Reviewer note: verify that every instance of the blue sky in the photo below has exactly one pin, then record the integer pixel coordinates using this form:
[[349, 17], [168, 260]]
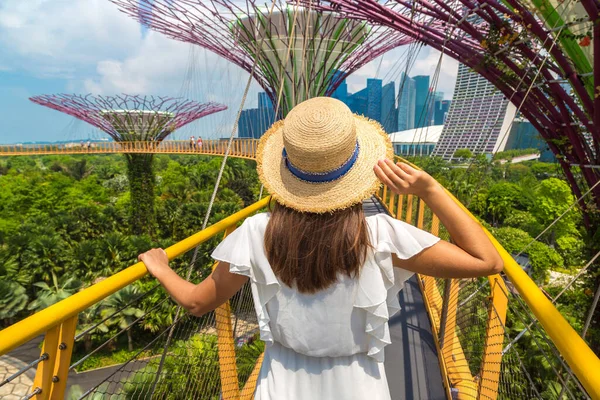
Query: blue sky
[[88, 46]]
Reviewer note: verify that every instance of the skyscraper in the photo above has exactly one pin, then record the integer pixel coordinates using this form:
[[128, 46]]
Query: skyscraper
[[421, 100], [255, 121], [406, 103], [374, 99], [341, 93], [478, 118], [389, 114], [440, 110]]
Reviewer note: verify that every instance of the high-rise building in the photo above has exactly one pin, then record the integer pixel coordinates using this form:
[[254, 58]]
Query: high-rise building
[[255, 121], [440, 111], [478, 118], [341, 93], [374, 87], [423, 104], [389, 114], [358, 102], [406, 103]]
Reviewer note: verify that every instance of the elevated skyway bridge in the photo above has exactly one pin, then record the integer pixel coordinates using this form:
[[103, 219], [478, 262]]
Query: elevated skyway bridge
[[240, 148]]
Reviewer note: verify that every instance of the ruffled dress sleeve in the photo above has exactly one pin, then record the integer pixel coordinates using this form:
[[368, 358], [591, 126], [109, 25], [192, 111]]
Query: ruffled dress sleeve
[[244, 250], [380, 282]]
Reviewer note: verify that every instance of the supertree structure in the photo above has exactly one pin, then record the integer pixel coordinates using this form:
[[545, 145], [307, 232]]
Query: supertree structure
[[538, 56], [128, 118], [303, 52]]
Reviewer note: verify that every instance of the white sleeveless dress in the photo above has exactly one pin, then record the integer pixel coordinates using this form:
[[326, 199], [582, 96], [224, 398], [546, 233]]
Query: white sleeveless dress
[[327, 345]]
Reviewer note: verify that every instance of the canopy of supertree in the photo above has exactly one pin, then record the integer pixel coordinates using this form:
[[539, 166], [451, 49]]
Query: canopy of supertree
[[298, 51], [540, 56], [130, 118]]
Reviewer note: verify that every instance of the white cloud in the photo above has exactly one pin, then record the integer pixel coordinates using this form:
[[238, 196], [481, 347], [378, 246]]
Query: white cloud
[[58, 37]]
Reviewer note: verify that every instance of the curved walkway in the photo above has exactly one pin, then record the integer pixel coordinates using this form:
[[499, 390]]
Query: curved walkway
[[411, 361]]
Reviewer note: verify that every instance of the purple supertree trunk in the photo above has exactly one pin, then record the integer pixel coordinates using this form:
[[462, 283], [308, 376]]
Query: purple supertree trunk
[[298, 51], [518, 53], [130, 118]]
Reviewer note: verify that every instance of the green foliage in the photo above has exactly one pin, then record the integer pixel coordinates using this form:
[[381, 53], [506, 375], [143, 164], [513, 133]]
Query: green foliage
[[509, 154], [553, 197], [69, 216], [51, 294], [517, 172], [502, 198], [190, 364], [543, 170], [463, 153], [523, 220], [572, 250], [542, 257], [110, 357], [13, 299], [246, 357]]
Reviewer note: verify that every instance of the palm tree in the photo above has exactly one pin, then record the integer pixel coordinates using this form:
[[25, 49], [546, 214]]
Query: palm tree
[[126, 317], [48, 295], [114, 249], [13, 299], [88, 318], [46, 256]]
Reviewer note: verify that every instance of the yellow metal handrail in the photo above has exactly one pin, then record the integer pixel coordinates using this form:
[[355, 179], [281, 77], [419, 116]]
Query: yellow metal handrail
[[40, 322]]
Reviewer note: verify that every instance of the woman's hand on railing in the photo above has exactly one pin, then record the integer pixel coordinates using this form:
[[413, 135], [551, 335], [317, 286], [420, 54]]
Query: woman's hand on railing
[[401, 178], [155, 260]]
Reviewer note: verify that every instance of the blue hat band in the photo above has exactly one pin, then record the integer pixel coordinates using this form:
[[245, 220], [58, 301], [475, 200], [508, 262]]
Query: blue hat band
[[320, 177]]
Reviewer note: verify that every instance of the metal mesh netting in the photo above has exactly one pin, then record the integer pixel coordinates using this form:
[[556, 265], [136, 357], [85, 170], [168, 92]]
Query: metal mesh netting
[[490, 343], [475, 317], [208, 357]]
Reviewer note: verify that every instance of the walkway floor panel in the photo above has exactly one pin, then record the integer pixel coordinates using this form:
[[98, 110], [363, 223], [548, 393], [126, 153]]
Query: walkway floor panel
[[411, 361]]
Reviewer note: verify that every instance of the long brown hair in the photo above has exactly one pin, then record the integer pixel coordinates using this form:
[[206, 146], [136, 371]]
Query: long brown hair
[[309, 250]]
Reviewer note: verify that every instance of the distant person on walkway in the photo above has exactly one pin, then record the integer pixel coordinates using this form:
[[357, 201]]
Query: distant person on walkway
[[192, 142], [325, 279], [199, 143], [89, 145]]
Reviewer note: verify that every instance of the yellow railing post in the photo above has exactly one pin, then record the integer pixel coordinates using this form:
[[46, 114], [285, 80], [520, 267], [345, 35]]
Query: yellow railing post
[[435, 225], [45, 369], [391, 203], [421, 215], [456, 363], [230, 386], [409, 208], [400, 205], [63, 360], [250, 385], [494, 341]]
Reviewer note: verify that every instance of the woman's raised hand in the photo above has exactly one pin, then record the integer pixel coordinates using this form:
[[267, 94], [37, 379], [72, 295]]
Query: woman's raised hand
[[401, 178], [155, 260]]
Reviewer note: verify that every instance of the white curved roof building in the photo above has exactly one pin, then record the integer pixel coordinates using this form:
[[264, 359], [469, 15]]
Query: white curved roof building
[[416, 142]]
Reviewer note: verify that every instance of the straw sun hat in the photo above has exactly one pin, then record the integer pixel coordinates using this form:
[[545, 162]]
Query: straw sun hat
[[320, 158]]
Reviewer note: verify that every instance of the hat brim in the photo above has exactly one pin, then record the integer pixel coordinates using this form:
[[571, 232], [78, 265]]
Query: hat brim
[[356, 185]]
